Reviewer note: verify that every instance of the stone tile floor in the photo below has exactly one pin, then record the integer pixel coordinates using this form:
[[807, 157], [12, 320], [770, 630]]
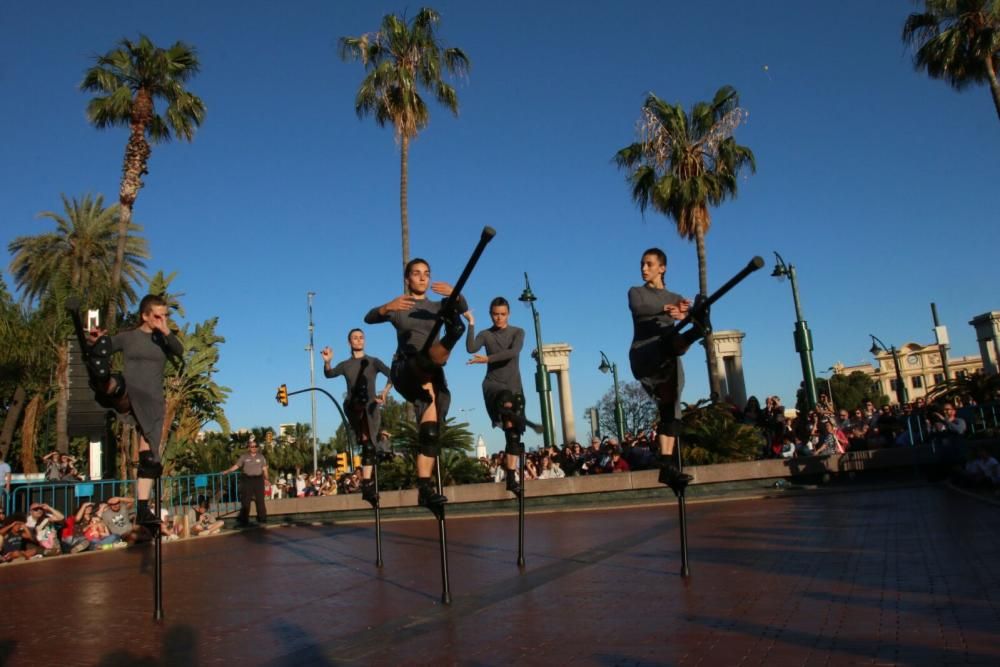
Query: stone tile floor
[[902, 576]]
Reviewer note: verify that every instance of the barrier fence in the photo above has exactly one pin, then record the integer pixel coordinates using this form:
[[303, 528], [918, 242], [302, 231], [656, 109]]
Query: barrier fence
[[222, 492]]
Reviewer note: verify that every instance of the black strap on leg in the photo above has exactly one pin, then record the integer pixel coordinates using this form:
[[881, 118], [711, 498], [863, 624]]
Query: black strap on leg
[[512, 442], [429, 439], [367, 453], [150, 466], [454, 329]]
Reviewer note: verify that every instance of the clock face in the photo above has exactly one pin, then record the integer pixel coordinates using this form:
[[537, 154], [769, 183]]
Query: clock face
[[913, 360]]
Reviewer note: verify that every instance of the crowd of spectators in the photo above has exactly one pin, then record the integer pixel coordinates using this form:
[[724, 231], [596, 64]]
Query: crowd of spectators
[[60, 468], [44, 531]]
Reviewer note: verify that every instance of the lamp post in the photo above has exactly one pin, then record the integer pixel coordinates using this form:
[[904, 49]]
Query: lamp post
[[312, 384], [606, 366], [803, 337], [879, 346], [541, 372], [829, 387]]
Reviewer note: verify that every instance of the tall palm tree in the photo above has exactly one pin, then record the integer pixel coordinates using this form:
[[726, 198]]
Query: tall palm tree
[[80, 254], [684, 163], [958, 41], [129, 80], [400, 59]]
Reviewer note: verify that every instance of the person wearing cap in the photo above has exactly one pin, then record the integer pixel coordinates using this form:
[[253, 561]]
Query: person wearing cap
[[253, 465], [362, 403]]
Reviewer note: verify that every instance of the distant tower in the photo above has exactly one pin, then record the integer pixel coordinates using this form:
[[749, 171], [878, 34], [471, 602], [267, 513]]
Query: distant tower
[[480, 448], [987, 328]]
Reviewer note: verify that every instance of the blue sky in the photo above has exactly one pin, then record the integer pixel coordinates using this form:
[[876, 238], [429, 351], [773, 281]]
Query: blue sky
[[878, 183]]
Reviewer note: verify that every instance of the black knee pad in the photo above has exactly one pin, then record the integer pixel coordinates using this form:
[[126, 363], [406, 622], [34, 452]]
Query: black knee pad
[[149, 465], [109, 399], [510, 408], [368, 454], [513, 444], [429, 445], [454, 328]]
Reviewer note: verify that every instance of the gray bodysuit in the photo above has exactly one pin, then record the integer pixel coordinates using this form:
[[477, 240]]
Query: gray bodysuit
[[503, 371], [651, 364], [367, 368], [145, 356], [413, 326]]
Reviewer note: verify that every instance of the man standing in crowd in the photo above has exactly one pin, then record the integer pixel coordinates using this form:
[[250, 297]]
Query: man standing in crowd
[[253, 465], [5, 476]]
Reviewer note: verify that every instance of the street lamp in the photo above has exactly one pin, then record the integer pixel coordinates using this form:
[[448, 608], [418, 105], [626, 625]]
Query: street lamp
[[829, 387], [879, 346], [606, 366], [803, 338], [541, 372]]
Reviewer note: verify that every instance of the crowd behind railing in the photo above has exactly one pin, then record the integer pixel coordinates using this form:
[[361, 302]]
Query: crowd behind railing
[[66, 514]]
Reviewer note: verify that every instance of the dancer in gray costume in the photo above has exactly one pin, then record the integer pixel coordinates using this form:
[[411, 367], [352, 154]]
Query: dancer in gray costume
[[502, 389], [362, 403]]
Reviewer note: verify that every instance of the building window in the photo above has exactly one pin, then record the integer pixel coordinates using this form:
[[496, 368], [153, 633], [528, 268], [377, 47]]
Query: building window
[[938, 378], [918, 382]]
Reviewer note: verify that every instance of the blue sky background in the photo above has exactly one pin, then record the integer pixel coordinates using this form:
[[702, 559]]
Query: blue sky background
[[878, 183]]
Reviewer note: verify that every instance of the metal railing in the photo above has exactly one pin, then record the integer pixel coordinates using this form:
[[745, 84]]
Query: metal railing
[[222, 492]]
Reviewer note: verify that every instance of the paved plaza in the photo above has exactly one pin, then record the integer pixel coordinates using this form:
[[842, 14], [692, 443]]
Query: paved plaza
[[906, 575]]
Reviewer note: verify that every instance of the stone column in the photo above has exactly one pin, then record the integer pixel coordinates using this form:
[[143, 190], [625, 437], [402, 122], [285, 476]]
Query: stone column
[[556, 358], [987, 328], [729, 353]]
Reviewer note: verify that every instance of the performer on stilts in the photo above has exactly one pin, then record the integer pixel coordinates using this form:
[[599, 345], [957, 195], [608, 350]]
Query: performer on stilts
[[145, 350], [656, 351], [420, 380], [362, 404], [502, 389]]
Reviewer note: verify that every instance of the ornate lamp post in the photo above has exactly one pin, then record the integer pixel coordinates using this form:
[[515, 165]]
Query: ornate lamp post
[[606, 366], [803, 337], [879, 346], [541, 372]]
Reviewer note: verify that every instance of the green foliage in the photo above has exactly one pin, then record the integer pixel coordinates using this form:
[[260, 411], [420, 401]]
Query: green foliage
[[849, 391], [712, 435], [638, 409], [120, 75], [454, 436], [400, 59], [77, 258], [978, 386], [956, 40], [216, 452]]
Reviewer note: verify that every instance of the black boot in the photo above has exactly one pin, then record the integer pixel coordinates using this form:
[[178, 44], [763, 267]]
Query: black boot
[[427, 496], [368, 492], [144, 517], [513, 485], [671, 475]]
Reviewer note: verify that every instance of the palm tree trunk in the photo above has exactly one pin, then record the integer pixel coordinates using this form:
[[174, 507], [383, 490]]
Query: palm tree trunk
[[29, 434], [137, 152], [10, 420], [404, 184], [991, 73], [714, 385], [62, 398]]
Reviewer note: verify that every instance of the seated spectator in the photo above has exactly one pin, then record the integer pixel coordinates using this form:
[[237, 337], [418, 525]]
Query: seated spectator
[[41, 521], [571, 458], [615, 462], [73, 539], [53, 467], [946, 421], [829, 444], [550, 469], [115, 516], [203, 522], [99, 535], [982, 470], [17, 542]]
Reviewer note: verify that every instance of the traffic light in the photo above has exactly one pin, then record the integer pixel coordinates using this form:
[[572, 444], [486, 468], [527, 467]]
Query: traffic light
[[282, 395], [342, 462]]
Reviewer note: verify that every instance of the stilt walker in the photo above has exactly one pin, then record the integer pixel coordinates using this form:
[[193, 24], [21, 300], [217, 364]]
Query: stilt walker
[[417, 370], [137, 395], [503, 393], [659, 319]]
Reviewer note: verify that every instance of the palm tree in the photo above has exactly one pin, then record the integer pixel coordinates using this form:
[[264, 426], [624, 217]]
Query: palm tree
[[958, 41], [129, 80], [685, 162], [400, 59]]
